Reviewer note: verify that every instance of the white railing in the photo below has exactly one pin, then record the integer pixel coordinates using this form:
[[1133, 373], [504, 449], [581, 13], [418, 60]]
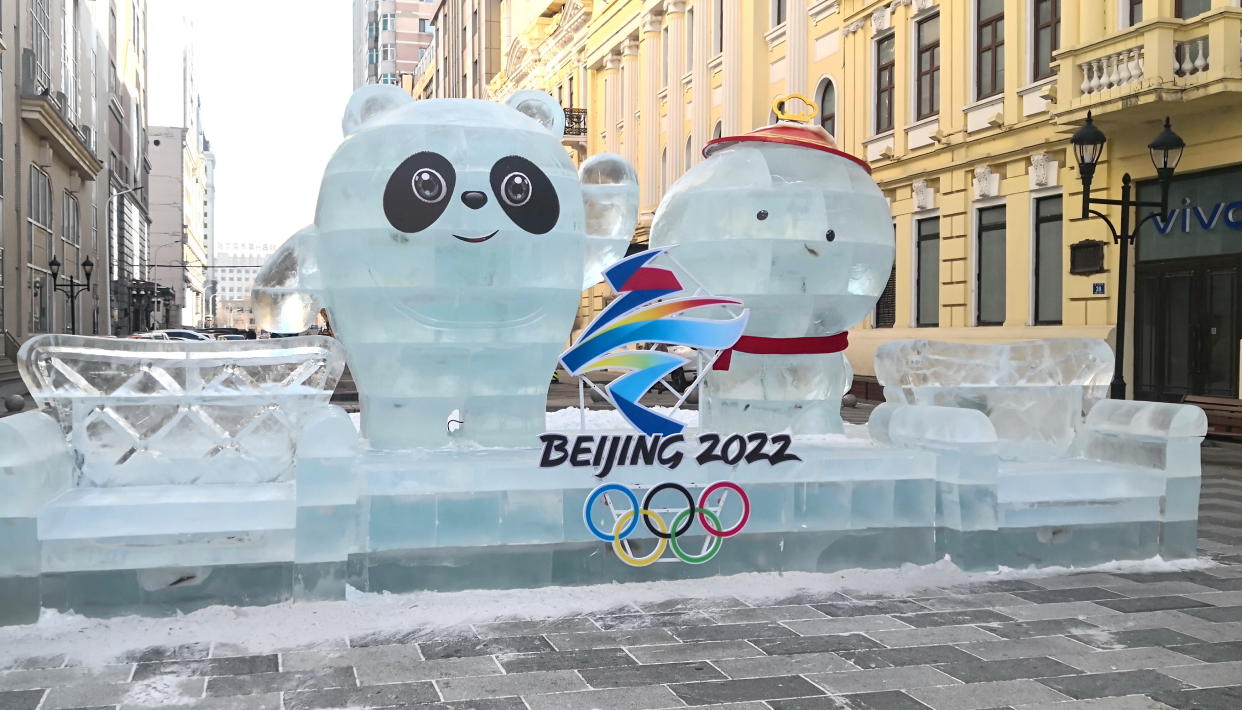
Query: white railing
[[428, 56], [1190, 57], [1117, 69]]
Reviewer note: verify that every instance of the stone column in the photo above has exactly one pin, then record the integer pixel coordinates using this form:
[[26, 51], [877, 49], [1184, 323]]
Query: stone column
[[733, 111], [796, 50], [612, 100], [629, 100], [649, 152], [701, 105], [674, 20]]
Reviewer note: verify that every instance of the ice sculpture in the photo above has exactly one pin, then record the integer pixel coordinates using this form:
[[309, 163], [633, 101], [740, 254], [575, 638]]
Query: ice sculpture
[[799, 231], [1035, 393], [451, 241]]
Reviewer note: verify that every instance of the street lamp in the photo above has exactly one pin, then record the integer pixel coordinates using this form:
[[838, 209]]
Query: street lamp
[[71, 287], [1166, 151]]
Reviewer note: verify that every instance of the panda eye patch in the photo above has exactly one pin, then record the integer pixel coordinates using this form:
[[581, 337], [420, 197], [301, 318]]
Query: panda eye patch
[[525, 194], [418, 191]]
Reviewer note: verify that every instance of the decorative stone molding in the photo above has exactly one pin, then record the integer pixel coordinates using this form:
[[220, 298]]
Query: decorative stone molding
[[613, 61], [854, 26], [881, 19], [674, 6], [653, 22], [921, 5], [924, 195], [819, 9], [630, 48], [1044, 171], [987, 182]]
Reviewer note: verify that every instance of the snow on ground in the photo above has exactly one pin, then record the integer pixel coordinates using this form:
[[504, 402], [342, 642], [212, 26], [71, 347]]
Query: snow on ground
[[442, 614]]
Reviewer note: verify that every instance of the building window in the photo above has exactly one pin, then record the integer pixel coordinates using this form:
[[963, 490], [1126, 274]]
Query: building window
[[571, 91], [664, 58], [929, 67], [372, 30], [41, 22], [718, 27], [991, 267], [690, 37], [663, 170], [717, 131], [390, 78], [40, 300], [827, 101], [1187, 9], [990, 48], [424, 24], [388, 22], [1048, 261], [1136, 11], [689, 155], [1047, 36], [388, 52], [884, 83], [70, 226], [886, 305], [372, 56], [40, 211], [778, 12], [928, 311]]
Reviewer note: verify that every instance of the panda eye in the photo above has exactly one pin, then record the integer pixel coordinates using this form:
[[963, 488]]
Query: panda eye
[[417, 191], [429, 185], [526, 194], [515, 189]]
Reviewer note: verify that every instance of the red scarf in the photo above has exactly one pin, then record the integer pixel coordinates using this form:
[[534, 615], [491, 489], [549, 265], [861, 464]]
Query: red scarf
[[755, 345]]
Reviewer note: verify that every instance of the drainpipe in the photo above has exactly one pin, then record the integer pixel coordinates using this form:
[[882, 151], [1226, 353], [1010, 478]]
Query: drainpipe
[[17, 156]]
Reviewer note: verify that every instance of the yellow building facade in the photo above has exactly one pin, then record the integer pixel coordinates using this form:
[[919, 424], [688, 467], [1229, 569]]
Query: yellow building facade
[[964, 109]]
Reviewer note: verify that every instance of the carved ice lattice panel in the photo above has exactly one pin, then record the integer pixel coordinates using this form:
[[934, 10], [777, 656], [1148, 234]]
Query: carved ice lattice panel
[[143, 412]]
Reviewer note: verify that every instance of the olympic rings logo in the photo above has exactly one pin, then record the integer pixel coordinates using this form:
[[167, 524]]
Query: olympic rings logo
[[626, 521]]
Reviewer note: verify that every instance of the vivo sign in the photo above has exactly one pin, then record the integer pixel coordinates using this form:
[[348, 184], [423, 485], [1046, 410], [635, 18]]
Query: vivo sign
[[1228, 212]]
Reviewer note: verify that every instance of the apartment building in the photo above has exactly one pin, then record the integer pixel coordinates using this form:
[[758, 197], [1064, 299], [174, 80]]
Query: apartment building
[[391, 37], [964, 109], [468, 46], [53, 191], [178, 150], [236, 264]]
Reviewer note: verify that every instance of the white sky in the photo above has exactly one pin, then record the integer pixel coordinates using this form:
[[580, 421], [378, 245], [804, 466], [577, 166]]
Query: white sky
[[273, 77]]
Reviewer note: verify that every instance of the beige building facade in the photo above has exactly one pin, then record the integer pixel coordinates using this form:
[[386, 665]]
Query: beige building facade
[[391, 37]]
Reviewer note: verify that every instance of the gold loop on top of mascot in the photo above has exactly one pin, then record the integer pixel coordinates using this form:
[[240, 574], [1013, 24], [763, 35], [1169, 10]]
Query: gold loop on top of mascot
[[780, 108]]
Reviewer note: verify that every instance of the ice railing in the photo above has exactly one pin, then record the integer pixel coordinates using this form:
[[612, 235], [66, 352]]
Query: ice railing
[[146, 412], [1035, 394]]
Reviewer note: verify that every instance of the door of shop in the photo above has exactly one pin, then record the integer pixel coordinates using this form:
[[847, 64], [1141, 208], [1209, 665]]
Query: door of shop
[[1187, 325]]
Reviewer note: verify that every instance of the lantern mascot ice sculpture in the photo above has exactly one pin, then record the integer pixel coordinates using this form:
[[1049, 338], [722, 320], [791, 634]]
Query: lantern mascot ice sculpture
[[798, 231], [450, 245]]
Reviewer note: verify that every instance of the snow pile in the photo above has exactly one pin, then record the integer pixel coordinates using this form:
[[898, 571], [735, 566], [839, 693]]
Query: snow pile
[[442, 615]]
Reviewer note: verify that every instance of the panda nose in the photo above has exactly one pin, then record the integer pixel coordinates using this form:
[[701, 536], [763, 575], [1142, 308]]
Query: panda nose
[[474, 199]]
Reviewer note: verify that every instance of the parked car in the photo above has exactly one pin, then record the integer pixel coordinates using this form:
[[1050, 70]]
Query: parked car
[[148, 336], [230, 336], [183, 334]]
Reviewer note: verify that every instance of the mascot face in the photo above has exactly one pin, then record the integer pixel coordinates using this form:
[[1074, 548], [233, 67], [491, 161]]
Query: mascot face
[[804, 237], [450, 244]]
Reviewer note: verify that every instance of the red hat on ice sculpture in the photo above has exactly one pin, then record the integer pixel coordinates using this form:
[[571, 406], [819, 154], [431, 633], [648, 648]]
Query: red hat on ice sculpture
[[790, 129]]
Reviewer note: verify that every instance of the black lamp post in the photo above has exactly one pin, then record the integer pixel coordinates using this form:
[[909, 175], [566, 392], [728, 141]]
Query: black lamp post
[[1166, 150], [71, 287]]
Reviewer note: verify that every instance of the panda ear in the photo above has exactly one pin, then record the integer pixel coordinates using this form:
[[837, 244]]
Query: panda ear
[[541, 107], [371, 102]]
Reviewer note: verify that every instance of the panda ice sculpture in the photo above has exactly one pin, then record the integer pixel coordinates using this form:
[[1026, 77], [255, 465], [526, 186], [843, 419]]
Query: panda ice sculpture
[[451, 242], [796, 229]]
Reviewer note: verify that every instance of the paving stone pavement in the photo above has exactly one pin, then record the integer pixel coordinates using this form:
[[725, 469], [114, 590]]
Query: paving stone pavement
[[1087, 641]]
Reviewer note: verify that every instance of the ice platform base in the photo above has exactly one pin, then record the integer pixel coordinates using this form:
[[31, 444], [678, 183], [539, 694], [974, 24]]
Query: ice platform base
[[466, 519]]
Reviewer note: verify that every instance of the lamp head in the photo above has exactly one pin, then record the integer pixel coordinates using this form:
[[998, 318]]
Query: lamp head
[[1088, 143], [54, 267], [87, 267], [1166, 150]]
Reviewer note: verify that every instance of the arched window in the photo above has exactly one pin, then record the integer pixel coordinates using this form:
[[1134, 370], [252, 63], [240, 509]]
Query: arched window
[[716, 132], [827, 100], [689, 155]]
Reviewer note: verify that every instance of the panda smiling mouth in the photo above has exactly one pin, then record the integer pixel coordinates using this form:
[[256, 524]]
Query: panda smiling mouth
[[477, 240]]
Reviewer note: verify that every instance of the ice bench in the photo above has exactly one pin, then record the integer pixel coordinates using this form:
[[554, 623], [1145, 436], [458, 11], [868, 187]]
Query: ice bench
[[183, 460], [1036, 467]]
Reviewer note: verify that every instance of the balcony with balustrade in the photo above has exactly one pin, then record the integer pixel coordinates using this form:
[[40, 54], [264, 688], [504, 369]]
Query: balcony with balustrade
[[1143, 68]]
